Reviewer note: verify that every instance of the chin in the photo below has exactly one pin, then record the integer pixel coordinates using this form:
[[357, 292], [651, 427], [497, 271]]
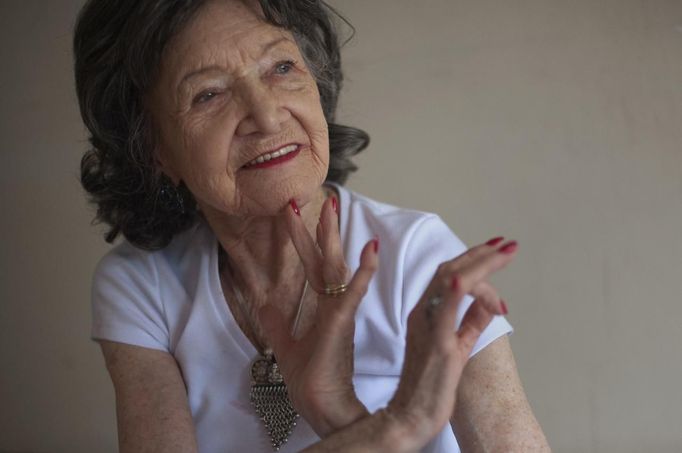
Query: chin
[[271, 199], [303, 193]]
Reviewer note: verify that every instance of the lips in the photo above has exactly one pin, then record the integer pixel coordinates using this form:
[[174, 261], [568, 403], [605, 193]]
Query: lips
[[271, 158]]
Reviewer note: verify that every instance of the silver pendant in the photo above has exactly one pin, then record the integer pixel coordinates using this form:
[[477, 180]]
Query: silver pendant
[[270, 399]]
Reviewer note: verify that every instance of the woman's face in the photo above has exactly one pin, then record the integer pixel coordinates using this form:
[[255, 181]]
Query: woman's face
[[238, 114]]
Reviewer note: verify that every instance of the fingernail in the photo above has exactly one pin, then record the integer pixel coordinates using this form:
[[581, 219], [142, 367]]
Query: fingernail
[[508, 248], [493, 242], [504, 307], [376, 244], [294, 206], [335, 205], [454, 284]]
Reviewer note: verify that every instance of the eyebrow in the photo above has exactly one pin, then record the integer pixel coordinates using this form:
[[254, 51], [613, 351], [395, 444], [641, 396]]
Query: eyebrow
[[264, 49]]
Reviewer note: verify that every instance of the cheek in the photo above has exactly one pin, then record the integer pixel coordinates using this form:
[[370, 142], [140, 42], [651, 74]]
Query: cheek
[[205, 144], [310, 114]]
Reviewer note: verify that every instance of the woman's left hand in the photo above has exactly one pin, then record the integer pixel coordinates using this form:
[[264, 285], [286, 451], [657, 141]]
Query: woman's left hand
[[318, 365]]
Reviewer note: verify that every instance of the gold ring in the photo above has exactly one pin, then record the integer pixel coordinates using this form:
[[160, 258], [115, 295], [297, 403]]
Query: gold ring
[[335, 290]]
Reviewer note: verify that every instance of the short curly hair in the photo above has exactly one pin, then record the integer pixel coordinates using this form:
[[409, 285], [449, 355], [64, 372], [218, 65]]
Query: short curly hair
[[117, 51]]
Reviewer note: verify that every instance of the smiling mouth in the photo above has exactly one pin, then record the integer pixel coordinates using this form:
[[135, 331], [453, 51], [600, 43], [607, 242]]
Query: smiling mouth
[[283, 154]]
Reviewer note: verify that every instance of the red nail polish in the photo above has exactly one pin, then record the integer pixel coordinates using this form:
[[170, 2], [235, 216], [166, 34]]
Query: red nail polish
[[493, 242], [454, 284], [508, 248], [376, 244], [504, 307], [335, 205], [294, 206]]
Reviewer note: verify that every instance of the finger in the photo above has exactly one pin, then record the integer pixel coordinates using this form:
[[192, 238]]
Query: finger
[[473, 253], [442, 305], [487, 294], [327, 219], [474, 323], [334, 268], [274, 329], [469, 260], [305, 246], [452, 295], [318, 231], [340, 315], [480, 269], [357, 288]]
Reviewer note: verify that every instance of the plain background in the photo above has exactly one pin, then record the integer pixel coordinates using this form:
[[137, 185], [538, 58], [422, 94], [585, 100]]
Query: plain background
[[554, 122]]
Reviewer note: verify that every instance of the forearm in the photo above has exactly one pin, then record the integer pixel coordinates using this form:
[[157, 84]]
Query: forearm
[[379, 432], [515, 429]]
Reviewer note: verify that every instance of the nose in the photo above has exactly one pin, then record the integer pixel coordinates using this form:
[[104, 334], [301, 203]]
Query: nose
[[264, 112]]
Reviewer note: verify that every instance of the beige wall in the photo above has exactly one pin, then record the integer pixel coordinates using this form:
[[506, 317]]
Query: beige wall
[[554, 122]]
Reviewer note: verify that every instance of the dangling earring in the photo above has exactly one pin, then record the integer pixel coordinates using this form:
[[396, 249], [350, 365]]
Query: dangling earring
[[170, 195]]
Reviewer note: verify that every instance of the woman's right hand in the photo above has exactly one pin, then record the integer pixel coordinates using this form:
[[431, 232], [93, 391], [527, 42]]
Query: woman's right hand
[[435, 353], [317, 364]]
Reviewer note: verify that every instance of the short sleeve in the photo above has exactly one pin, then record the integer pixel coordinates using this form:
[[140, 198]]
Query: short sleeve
[[432, 243], [126, 306]]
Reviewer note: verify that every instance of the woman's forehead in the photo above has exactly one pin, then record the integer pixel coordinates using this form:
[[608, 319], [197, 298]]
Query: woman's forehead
[[221, 30]]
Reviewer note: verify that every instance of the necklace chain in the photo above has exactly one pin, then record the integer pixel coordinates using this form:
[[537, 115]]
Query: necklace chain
[[269, 395], [264, 349]]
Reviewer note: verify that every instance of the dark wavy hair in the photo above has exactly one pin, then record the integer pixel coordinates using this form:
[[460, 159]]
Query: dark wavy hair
[[117, 50]]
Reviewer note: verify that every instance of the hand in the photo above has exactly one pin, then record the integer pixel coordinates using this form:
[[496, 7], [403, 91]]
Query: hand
[[318, 366], [435, 355]]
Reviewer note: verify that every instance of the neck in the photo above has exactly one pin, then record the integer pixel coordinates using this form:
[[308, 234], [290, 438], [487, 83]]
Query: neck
[[260, 253]]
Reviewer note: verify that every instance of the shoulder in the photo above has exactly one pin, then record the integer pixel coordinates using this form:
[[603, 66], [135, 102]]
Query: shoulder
[[127, 278], [139, 295], [412, 245], [412, 232], [125, 261]]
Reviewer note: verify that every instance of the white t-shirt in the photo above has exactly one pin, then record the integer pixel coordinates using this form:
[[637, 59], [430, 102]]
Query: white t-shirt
[[172, 300]]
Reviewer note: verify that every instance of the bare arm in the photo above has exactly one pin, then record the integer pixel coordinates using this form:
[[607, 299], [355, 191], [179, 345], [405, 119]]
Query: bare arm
[[153, 413], [492, 412], [151, 400], [379, 432]]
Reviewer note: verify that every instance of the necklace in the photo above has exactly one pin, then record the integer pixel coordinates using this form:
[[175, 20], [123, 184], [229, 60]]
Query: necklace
[[268, 393]]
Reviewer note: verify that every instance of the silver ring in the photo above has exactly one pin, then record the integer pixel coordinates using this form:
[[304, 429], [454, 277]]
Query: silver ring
[[432, 305]]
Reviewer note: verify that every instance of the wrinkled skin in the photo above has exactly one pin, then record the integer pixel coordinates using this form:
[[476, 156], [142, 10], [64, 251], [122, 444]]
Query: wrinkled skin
[[232, 87]]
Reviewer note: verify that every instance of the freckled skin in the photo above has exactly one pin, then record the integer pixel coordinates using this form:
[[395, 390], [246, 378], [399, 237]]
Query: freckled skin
[[209, 124], [205, 144]]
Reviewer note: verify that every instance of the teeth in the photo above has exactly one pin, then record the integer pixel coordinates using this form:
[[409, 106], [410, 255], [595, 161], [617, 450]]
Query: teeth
[[266, 157]]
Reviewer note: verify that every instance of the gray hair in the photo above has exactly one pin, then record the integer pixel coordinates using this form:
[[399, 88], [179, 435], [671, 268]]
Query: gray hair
[[117, 50]]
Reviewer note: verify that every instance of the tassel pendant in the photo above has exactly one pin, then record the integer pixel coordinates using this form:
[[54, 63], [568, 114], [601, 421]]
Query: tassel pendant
[[270, 399]]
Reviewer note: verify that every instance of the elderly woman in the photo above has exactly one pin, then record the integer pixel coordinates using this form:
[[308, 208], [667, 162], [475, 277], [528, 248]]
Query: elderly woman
[[256, 302]]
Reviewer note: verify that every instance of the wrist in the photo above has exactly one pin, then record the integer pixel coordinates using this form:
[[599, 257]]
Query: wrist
[[394, 434], [350, 413]]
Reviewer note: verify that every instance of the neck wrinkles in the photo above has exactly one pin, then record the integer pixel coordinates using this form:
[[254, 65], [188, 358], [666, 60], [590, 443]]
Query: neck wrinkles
[[261, 254]]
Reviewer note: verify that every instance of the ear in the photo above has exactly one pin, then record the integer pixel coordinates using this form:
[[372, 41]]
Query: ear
[[163, 163], [161, 157]]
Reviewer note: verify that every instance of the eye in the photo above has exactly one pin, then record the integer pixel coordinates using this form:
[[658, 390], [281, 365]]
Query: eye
[[205, 96], [284, 67]]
